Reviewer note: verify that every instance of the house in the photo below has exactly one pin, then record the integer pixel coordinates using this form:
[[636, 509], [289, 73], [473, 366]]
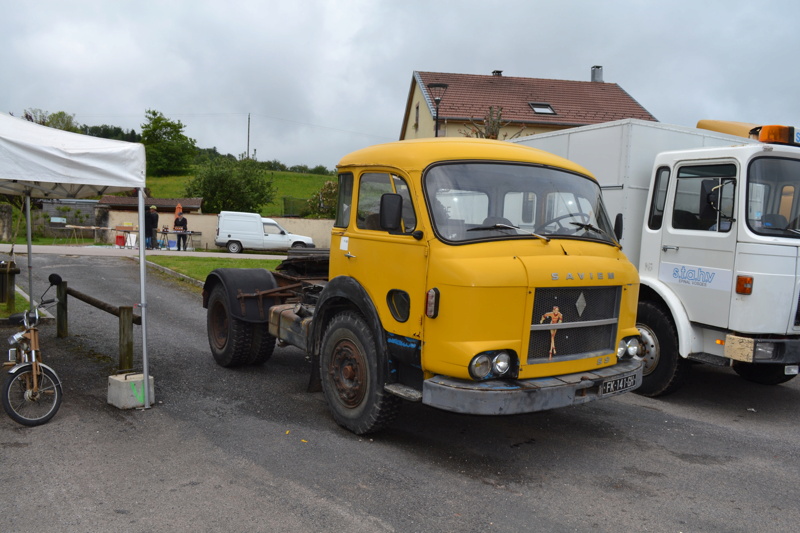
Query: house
[[525, 105]]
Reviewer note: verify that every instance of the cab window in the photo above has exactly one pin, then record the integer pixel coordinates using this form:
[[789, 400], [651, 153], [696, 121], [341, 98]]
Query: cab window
[[370, 189]]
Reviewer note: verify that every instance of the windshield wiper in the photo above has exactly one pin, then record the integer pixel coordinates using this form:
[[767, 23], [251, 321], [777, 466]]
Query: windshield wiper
[[507, 226], [591, 227]]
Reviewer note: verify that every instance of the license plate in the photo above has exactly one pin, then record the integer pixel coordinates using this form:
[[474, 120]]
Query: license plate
[[615, 386]]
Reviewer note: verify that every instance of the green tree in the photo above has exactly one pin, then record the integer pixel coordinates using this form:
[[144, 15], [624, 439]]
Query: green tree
[[227, 185], [62, 120], [323, 203], [169, 151]]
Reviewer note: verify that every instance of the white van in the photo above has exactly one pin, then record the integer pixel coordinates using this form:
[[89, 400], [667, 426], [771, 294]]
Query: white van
[[250, 231]]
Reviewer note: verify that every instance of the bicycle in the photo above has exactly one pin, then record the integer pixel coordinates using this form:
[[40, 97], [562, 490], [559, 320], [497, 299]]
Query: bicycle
[[32, 392]]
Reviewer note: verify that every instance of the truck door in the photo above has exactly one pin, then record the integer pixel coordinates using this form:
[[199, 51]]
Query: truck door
[[391, 266], [699, 240]]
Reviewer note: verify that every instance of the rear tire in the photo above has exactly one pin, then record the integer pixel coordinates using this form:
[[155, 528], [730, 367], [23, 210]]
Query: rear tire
[[228, 337], [234, 247], [353, 376], [665, 371], [762, 373], [263, 345], [23, 406]]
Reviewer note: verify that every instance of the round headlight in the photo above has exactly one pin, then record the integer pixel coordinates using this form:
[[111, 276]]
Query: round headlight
[[633, 347], [480, 367], [622, 348], [501, 363]]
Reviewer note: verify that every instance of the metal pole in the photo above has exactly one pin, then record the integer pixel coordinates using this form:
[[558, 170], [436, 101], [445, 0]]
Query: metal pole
[[248, 136], [143, 299], [30, 249], [436, 133]]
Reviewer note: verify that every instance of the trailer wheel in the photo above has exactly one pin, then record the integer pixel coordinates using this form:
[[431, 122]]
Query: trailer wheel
[[665, 371], [353, 377], [762, 373], [234, 247], [263, 345], [228, 337]]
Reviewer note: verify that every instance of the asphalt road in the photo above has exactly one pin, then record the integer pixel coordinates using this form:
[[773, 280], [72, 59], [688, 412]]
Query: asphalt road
[[250, 450]]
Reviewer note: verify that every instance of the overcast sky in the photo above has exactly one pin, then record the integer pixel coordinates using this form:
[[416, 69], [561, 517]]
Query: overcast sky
[[323, 78]]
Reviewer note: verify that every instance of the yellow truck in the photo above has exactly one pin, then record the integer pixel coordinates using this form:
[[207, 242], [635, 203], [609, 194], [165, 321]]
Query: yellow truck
[[474, 276]]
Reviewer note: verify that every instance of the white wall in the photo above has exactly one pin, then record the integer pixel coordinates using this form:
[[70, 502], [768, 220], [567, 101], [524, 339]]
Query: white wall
[[319, 230]]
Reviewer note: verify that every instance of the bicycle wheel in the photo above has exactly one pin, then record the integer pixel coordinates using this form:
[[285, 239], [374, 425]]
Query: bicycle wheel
[[25, 407]]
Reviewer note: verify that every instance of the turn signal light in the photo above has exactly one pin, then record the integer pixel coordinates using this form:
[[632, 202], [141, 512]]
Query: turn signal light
[[744, 284], [432, 303], [777, 134]]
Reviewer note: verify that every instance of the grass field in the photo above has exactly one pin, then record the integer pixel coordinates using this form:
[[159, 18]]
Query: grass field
[[289, 184], [199, 267]]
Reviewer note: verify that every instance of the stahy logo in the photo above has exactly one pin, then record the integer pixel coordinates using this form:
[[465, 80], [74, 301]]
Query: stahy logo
[[693, 276]]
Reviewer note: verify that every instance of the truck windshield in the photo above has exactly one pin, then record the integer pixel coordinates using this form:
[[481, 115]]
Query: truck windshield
[[478, 201], [773, 197]]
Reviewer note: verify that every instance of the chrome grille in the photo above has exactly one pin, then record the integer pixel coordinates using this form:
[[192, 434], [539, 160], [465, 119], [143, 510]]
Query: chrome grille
[[587, 327]]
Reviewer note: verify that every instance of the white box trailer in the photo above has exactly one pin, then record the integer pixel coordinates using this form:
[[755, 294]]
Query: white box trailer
[[713, 223]]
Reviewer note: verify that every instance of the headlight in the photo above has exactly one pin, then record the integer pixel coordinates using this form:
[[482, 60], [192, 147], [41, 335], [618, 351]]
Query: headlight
[[480, 367], [493, 364], [628, 348], [16, 337]]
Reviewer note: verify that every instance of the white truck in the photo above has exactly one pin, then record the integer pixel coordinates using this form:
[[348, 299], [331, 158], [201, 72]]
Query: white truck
[[713, 222], [239, 231]]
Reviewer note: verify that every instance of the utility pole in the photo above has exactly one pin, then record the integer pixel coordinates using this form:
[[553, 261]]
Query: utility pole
[[248, 136]]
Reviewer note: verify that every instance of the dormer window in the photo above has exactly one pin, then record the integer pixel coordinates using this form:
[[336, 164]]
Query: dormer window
[[541, 108]]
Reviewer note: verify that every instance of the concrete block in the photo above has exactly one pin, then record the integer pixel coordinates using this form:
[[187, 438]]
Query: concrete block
[[125, 391]]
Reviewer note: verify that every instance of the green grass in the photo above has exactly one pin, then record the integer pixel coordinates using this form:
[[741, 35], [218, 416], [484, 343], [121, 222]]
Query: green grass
[[289, 184], [199, 267], [20, 306]]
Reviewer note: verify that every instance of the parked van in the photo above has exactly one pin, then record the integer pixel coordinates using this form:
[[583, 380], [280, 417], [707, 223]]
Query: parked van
[[250, 231]]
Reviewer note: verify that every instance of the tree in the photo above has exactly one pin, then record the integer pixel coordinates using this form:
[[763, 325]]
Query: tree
[[491, 126], [63, 121], [227, 185], [169, 151], [323, 203]]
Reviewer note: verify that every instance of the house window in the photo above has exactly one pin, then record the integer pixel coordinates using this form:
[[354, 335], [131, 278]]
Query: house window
[[542, 109], [416, 117]]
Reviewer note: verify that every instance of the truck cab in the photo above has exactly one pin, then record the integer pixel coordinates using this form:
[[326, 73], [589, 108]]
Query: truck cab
[[474, 276]]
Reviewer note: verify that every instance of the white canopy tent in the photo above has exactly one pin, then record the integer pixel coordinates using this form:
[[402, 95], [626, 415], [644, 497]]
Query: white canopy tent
[[41, 162]]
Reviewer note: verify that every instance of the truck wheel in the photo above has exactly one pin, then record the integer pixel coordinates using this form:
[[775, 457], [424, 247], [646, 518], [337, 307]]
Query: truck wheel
[[353, 377], [228, 337], [665, 371], [263, 345], [762, 373], [234, 247]]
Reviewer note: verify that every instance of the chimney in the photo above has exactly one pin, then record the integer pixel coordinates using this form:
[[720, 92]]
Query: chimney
[[597, 73], [497, 73]]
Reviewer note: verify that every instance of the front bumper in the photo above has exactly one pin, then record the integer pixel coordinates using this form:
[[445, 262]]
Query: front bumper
[[775, 351], [499, 397]]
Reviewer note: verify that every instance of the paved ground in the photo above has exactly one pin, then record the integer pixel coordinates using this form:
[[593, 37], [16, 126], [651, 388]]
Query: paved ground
[[250, 450]]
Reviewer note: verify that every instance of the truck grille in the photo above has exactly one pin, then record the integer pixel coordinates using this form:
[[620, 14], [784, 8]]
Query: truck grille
[[587, 325]]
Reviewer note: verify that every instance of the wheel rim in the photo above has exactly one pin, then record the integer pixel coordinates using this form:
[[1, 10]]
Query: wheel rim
[[651, 349], [218, 325], [348, 372], [27, 404]]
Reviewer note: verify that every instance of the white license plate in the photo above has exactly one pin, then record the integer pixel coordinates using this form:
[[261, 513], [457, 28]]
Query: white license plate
[[615, 386]]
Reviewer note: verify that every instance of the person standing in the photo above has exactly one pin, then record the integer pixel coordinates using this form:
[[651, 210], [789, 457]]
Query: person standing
[[180, 225], [150, 228]]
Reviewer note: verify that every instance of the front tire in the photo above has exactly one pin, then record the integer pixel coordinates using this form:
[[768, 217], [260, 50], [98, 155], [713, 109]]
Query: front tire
[[353, 376], [27, 408], [665, 371], [228, 337], [298, 244], [234, 247], [762, 373]]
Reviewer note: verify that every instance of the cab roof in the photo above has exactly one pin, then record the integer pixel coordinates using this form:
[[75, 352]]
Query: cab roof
[[417, 154]]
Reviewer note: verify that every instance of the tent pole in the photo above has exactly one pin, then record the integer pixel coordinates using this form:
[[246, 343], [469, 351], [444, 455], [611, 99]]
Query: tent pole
[[30, 249], [143, 304]]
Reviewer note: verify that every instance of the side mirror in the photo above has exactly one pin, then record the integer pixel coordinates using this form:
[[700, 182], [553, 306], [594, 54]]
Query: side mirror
[[54, 279], [618, 226], [391, 211]]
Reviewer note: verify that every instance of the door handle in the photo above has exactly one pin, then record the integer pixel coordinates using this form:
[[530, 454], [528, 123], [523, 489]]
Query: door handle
[[665, 248], [349, 255]]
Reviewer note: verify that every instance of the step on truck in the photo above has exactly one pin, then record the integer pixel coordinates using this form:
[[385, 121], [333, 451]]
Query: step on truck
[[712, 220], [474, 276]]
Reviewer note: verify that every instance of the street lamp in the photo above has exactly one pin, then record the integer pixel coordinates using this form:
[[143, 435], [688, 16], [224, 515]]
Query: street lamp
[[437, 91]]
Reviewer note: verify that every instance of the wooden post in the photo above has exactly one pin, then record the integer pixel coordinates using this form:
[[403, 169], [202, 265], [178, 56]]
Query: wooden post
[[62, 324], [125, 338]]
